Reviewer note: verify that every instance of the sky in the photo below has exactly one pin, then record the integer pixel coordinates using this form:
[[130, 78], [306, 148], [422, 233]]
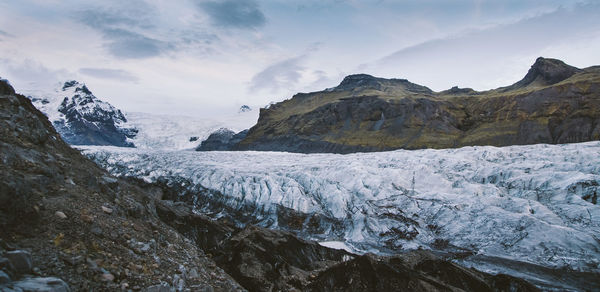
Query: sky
[[208, 57]]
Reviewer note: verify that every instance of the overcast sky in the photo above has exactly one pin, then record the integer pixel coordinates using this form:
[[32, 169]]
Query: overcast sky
[[208, 57]]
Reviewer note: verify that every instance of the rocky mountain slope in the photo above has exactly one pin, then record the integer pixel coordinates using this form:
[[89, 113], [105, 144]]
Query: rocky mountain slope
[[554, 103], [80, 224], [83, 119]]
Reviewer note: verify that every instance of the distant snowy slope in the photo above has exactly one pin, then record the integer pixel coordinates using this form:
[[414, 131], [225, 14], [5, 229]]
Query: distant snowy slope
[[526, 203], [183, 132]]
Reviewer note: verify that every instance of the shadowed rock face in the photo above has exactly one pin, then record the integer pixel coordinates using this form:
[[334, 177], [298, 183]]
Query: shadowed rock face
[[554, 103], [222, 139]]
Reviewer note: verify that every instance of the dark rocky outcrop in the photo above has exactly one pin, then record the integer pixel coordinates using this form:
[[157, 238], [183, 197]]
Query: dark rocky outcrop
[[222, 140], [545, 72], [554, 103], [5, 87]]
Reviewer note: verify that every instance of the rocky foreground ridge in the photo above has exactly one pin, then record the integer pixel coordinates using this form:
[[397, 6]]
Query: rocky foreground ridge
[[554, 103], [68, 225]]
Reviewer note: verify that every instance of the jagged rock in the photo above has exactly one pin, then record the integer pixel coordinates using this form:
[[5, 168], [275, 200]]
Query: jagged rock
[[20, 261], [364, 81], [48, 284], [545, 72], [6, 88]]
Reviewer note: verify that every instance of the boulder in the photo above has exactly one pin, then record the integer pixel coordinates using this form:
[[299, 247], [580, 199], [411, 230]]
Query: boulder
[[20, 260]]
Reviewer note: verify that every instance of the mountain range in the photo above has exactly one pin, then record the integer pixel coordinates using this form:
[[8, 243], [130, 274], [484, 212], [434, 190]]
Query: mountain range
[[81, 118], [554, 103], [69, 225]]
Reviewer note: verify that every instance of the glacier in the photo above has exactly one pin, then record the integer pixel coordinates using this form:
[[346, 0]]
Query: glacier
[[534, 204], [173, 132]]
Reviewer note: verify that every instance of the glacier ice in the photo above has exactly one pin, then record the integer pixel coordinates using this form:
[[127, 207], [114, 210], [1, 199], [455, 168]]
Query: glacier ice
[[174, 132], [535, 203]]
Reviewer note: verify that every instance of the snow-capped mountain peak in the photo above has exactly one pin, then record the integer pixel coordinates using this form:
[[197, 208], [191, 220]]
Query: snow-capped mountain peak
[[80, 101], [244, 109], [83, 119]]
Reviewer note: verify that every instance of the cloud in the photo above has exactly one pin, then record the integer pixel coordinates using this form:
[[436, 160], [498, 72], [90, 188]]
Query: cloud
[[132, 45], [112, 74], [244, 14], [104, 19], [5, 34], [281, 75], [445, 62], [125, 31], [29, 75]]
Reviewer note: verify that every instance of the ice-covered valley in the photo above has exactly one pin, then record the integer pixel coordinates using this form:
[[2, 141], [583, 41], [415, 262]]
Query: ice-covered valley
[[531, 204], [182, 132]]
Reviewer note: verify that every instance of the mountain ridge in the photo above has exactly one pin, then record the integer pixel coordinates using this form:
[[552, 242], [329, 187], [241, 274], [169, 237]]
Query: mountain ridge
[[554, 103]]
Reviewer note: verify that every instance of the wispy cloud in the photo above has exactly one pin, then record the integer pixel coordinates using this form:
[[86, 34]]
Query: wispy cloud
[[4, 34], [281, 75], [244, 14], [133, 45], [30, 74], [112, 74], [126, 31], [441, 61]]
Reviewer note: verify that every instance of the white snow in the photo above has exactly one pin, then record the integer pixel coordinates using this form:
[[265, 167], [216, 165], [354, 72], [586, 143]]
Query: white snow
[[520, 202], [48, 101], [170, 132], [337, 245]]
